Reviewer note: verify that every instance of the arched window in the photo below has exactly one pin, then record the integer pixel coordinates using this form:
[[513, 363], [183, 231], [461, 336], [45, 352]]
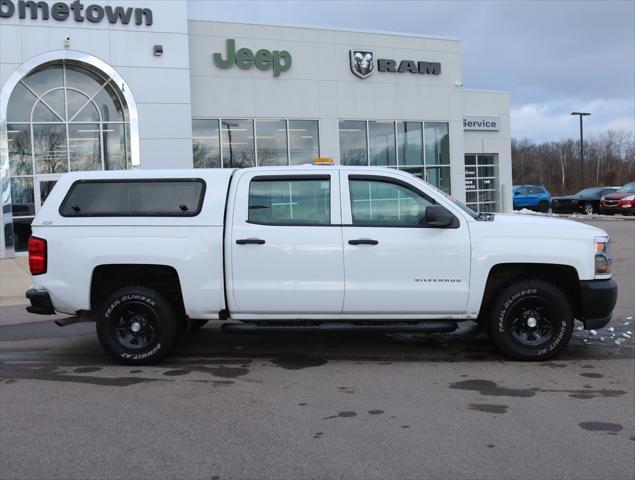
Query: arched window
[[63, 116]]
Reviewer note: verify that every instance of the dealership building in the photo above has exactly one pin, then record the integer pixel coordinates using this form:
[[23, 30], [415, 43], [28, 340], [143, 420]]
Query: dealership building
[[108, 85]]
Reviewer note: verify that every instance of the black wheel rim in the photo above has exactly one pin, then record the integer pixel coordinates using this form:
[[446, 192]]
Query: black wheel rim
[[531, 321], [135, 325]]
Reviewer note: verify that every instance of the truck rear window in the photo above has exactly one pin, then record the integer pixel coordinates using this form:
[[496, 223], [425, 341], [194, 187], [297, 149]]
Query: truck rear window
[[181, 197]]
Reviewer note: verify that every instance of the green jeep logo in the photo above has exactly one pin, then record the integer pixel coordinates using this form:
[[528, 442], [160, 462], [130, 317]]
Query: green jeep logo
[[263, 59]]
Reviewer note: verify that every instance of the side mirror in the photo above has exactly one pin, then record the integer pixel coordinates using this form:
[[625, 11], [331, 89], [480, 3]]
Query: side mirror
[[437, 216], [516, 193]]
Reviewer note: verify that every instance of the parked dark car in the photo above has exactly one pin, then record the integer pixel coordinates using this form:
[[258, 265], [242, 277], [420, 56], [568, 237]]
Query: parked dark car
[[585, 201], [622, 201]]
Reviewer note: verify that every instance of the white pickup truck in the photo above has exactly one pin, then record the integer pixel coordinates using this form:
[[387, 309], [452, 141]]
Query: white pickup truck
[[148, 254]]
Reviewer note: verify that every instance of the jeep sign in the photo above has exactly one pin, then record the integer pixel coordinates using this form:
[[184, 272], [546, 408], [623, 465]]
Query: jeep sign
[[277, 61]]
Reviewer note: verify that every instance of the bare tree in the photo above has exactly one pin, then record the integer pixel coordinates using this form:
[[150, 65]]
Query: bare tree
[[556, 165]]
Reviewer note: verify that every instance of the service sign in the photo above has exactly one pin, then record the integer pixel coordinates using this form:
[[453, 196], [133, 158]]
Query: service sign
[[481, 122]]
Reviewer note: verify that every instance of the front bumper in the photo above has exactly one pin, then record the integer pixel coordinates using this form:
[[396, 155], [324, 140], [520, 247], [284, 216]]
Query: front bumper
[[597, 301], [40, 302], [620, 208]]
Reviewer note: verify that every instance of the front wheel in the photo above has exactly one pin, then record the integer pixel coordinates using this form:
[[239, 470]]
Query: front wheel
[[137, 326], [531, 320]]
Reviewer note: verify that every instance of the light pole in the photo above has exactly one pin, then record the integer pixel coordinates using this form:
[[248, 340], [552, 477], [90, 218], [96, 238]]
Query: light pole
[[581, 114]]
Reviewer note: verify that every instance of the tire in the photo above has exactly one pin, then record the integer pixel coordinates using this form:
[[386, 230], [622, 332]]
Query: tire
[[137, 326], [197, 324], [523, 303], [543, 206], [587, 208]]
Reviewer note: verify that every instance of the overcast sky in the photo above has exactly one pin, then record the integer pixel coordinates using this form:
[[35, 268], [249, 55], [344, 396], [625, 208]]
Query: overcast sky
[[553, 57]]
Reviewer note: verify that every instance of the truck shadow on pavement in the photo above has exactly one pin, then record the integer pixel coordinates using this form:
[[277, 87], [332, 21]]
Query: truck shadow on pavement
[[44, 351]]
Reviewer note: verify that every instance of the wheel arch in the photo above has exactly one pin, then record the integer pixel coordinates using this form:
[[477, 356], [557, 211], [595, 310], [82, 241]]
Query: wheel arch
[[500, 275], [108, 278]]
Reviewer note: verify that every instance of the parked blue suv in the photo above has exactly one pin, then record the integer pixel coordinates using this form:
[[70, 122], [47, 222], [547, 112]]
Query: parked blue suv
[[533, 197]]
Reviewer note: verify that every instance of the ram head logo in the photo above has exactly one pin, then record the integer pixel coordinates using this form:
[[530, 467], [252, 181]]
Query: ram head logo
[[362, 63]]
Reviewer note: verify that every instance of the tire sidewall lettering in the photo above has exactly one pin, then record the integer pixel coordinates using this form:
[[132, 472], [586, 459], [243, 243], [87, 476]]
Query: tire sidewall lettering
[[503, 312]]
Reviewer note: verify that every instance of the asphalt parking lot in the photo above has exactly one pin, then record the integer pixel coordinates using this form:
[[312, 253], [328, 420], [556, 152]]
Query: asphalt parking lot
[[322, 406]]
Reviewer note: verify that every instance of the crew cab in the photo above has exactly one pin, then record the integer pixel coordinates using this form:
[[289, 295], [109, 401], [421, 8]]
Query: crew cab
[[147, 254]]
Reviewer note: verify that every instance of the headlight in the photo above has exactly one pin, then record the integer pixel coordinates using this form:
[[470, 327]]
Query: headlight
[[602, 257], [602, 199], [630, 197]]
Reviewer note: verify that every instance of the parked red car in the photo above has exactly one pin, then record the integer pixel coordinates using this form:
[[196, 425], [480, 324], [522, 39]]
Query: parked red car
[[622, 201]]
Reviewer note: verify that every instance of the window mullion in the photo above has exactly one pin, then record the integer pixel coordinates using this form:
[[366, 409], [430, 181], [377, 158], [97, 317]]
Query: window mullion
[[367, 145], [253, 129], [220, 142], [288, 143], [68, 142]]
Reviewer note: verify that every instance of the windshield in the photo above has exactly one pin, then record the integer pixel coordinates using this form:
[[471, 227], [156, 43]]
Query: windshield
[[456, 202], [589, 192], [628, 188]]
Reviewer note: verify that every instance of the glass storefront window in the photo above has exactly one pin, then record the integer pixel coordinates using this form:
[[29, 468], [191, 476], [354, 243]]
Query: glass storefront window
[[410, 143], [49, 148], [84, 147], [87, 113], [109, 106], [353, 145], [83, 80], [19, 143], [416, 171], [437, 143], [19, 108], [304, 141], [205, 144], [45, 188], [22, 197], [116, 146], [439, 177], [45, 78], [238, 143], [276, 142], [42, 113], [420, 148], [271, 142], [381, 139], [481, 182], [61, 117]]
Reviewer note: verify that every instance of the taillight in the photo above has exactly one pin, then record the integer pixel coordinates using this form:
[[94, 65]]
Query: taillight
[[37, 255]]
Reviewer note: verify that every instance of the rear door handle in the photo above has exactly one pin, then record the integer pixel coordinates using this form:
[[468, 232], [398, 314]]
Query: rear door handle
[[250, 241], [363, 241]]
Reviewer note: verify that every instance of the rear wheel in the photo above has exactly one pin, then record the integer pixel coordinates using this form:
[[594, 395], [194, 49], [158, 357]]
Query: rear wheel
[[587, 208], [137, 326], [543, 207], [531, 320]]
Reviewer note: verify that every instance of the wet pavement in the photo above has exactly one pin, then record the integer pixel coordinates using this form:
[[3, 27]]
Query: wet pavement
[[321, 405]]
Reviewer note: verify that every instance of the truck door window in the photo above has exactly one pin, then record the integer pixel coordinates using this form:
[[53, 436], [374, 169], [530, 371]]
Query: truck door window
[[285, 201], [383, 203]]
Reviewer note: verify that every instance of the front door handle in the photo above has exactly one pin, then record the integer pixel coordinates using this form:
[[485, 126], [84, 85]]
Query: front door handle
[[363, 241], [250, 241]]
